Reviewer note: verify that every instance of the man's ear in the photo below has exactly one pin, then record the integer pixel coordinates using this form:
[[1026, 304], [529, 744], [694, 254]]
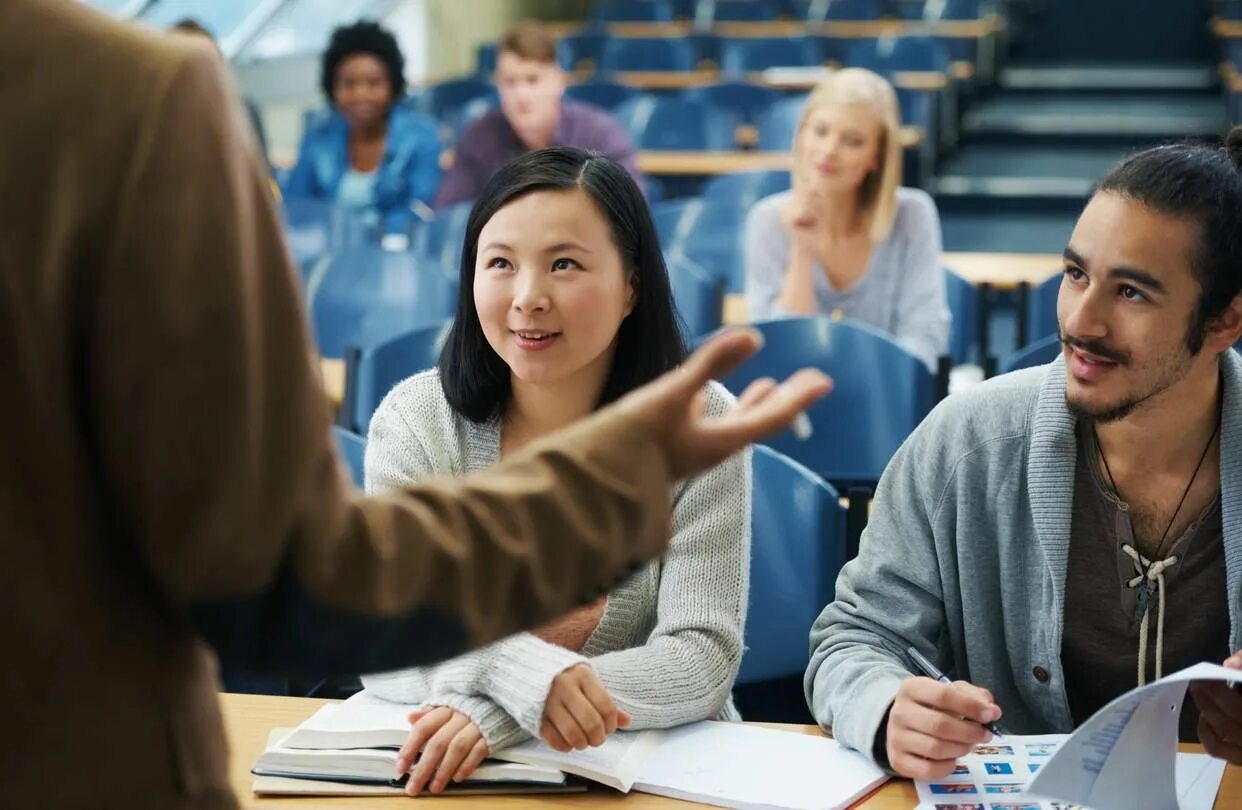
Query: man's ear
[[1226, 328]]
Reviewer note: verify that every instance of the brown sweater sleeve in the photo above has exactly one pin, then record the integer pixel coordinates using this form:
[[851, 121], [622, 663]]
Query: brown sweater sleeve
[[213, 447]]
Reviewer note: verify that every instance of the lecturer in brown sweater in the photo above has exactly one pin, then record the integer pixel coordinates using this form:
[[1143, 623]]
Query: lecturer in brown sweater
[[166, 472]]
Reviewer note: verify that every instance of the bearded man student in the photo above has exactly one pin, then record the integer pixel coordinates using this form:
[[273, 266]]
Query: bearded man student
[[1060, 535]]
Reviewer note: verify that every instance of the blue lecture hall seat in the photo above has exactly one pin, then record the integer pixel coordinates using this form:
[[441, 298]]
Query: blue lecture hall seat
[[608, 95], [880, 394], [797, 548], [352, 448], [1042, 351], [371, 372], [583, 49], [742, 56], [714, 11], [964, 305], [647, 54], [836, 10], [1041, 309], [888, 55], [441, 238], [655, 11], [444, 100], [743, 102], [485, 60], [698, 294], [656, 123], [746, 188], [779, 123], [708, 231], [364, 295]]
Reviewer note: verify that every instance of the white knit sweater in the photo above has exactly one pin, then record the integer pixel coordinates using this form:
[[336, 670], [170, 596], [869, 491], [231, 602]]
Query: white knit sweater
[[669, 644]]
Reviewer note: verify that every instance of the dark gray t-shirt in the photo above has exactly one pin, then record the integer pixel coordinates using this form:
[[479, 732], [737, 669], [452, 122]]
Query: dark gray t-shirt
[[1099, 648]]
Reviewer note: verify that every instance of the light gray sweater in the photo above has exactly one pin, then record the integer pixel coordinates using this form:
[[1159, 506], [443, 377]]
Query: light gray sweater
[[965, 558], [902, 293], [669, 644]]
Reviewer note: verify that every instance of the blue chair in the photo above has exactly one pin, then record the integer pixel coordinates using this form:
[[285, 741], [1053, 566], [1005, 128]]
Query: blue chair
[[445, 100], [964, 306], [953, 10], [745, 103], [1041, 309], [880, 394], [888, 55], [607, 95], [916, 108], [485, 59], [779, 123], [1039, 353], [654, 11], [837, 10], [364, 295], [441, 238], [699, 296], [584, 49], [646, 54], [675, 124], [710, 12], [706, 48], [352, 448], [797, 550], [746, 188], [370, 373], [310, 224], [672, 220], [742, 56]]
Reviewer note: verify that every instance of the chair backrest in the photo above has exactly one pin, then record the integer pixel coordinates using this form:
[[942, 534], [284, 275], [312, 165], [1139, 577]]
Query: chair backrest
[[445, 100], [880, 393], [797, 549], [608, 95], [698, 295], [935, 10], [352, 448], [907, 53], [1042, 351], [364, 295], [714, 11], [778, 125], [746, 188], [309, 225], [441, 238], [675, 124], [370, 373], [1041, 309], [672, 220], [964, 307], [742, 56], [485, 59], [657, 11], [825, 10], [647, 54], [916, 107], [745, 102], [583, 49]]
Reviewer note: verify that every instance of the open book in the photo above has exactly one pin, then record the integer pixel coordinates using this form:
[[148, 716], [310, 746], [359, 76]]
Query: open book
[[725, 764]]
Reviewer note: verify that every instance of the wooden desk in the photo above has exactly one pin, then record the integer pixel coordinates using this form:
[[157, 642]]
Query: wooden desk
[[249, 718], [710, 163], [806, 78], [1227, 29], [1004, 271], [332, 374]]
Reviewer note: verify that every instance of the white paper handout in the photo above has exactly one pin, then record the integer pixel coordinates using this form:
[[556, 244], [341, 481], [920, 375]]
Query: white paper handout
[[1124, 757]]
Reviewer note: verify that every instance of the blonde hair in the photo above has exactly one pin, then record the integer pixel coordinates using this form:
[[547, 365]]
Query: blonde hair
[[877, 198]]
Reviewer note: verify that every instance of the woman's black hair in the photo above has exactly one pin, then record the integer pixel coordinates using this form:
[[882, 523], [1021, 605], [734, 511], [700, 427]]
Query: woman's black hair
[[475, 379], [1204, 184], [367, 37]]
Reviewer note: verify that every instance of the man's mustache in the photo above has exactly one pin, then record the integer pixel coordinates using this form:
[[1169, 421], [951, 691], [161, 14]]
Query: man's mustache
[[1097, 348]]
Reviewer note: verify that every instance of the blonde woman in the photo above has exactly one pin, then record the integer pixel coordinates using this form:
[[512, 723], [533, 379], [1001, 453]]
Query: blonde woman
[[848, 238]]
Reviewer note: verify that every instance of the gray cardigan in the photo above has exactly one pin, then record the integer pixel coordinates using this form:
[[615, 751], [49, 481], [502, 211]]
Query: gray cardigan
[[902, 293], [669, 644], [965, 558]]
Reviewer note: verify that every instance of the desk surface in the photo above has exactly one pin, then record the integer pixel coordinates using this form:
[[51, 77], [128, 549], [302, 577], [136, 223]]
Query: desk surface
[[839, 29], [1004, 271], [249, 718]]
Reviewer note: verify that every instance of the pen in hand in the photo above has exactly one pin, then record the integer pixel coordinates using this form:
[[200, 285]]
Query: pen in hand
[[929, 669]]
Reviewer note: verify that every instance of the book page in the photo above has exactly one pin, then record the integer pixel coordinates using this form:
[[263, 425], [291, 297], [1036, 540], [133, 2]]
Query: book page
[[616, 763], [739, 765], [362, 721]]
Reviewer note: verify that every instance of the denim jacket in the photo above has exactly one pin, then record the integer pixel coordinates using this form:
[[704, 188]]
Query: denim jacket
[[409, 170]]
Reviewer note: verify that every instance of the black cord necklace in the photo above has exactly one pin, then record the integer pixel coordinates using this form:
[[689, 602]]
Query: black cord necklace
[[1185, 493]]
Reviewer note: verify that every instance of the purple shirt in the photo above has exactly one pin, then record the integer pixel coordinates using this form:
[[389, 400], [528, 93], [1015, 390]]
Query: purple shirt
[[490, 143]]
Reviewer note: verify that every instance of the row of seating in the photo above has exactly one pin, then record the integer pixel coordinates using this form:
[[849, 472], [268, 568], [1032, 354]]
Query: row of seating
[[710, 11], [799, 545]]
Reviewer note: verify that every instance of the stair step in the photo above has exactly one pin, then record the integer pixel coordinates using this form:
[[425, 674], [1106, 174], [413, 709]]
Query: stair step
[[1097, 77], [1025, 171], [1104, 116]]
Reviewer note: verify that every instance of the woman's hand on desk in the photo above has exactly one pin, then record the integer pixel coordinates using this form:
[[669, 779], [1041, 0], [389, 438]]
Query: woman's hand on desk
[[579, 712], [447, 746]]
